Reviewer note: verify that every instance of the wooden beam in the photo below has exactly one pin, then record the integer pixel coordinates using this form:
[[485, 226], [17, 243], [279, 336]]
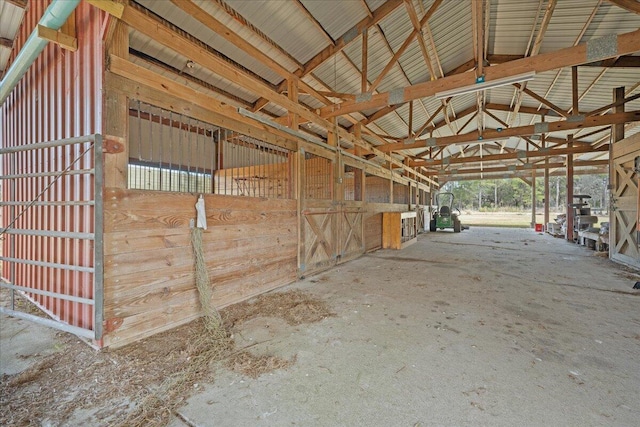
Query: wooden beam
[[546, 19], [525, 176], [231, 98], [429, 120], [404, 46], [580, 149], [462, 68], [417, 25], [626, 61], [535, 49], [65, 41], [526, 110], [524, 167], [612, 105], [365, 60], [111, 7], [629, 5], [22, 4], [569, 211], [574, 89], [314, 21], [499, 120], [626, 44], [544, 101], [116, 112], [549, 127], [225, 32], [477, 15], [351, 35], [494, 58]]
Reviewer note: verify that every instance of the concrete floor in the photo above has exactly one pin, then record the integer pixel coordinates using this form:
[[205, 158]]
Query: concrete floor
[[497, 327]]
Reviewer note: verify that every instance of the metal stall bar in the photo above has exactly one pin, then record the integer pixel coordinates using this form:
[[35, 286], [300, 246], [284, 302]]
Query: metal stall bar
[[97, 237]]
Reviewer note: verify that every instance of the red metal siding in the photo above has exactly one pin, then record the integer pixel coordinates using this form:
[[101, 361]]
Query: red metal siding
[[59, 97]]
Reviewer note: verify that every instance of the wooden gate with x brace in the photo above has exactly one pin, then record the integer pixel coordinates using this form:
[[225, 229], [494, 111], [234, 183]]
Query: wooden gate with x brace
[[625, 201], [331, 231]]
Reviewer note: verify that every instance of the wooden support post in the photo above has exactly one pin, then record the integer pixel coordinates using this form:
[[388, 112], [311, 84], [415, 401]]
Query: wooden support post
[[574, 89], [617, 134], [365, 62], [292, 89], [569, 234], [357, 132], [533, 199], [116, 116], [410, 133], [546, 181]]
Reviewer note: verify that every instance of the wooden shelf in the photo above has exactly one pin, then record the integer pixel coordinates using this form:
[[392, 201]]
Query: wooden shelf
[[399, 229]]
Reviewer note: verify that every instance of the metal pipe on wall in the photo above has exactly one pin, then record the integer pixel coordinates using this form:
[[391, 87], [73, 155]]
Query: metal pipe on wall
[[54, 17]]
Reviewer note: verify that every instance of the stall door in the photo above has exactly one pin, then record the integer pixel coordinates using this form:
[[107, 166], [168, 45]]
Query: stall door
[[624, 202]]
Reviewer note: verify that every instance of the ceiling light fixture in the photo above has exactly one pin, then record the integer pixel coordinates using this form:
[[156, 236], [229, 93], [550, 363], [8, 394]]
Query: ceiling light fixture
[[481, 84]]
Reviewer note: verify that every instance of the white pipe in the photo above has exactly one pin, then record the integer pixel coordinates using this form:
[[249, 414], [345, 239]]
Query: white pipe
[[54, 17]]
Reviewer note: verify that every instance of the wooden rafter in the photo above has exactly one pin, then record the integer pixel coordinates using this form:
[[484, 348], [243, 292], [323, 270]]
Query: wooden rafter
[[218, 27], [537, 44], [417, 26], [575, 43], [630, 5], [526, 110], [613, 104], [558, 126], [524, 167], [404, 46], [627, 43], [340, 43], [22, 4], [525, 176], [351, 35], [478, 24], [157, 63], [539, 98], [315, 22], [383, 112], [626, 61], [4, 42], [580, 149], [503, 123]]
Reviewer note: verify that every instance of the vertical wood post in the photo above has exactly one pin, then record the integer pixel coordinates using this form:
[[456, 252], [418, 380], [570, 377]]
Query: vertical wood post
[[569, 223], [533, 198], [116, 115], [574, 90], [365, 62], [546, 181], [617, 134]]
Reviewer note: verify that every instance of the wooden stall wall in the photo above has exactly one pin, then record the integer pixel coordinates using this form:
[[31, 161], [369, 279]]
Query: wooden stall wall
[[250, 247]]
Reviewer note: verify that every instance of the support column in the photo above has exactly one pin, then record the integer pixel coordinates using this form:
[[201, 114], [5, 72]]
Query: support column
[[533, 199], [569, 234], [116, 112], [617, 134], [546, 181]]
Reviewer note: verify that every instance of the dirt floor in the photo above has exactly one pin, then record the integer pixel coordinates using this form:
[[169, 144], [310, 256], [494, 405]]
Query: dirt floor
[[490, 326]]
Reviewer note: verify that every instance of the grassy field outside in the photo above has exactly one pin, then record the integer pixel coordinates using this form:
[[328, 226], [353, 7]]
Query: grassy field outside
[[508, 219]]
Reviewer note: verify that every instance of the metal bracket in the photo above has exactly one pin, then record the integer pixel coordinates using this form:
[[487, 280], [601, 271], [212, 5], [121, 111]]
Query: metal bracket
[[396, 96], [602, 48]]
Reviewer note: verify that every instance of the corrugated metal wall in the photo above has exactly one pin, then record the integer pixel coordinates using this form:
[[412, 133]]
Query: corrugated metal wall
[[59, 97]]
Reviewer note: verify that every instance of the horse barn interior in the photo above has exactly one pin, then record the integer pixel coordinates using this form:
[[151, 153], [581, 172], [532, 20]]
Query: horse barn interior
[[314, 132]]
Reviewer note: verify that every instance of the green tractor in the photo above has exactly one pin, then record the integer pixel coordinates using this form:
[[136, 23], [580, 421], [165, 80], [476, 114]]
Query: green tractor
[[443, 217]]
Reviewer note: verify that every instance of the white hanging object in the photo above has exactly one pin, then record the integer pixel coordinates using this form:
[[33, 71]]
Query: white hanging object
[[201, 221]]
